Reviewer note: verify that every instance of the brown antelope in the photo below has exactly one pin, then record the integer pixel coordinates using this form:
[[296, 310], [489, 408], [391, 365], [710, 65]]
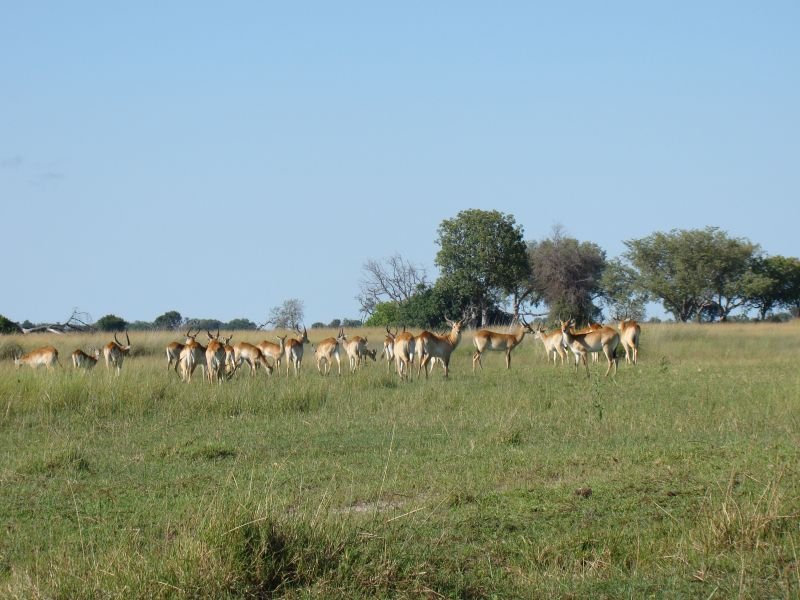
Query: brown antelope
[[439, 346], [603, 340], [115, 352], [192, 356], [486, 340], [294, 351], [553, 343], [174, 349], [404, 346], [355, 347], [230, 356], [629, 332], [273, 350], [388, 347], [245, 352], [328, 349], [46, 356], [81, 360], [215, 358]]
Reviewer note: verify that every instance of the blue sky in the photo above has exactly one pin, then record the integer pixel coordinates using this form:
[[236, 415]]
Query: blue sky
[[220, 158]]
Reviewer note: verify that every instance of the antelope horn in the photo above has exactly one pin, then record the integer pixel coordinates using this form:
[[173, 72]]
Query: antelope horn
[[127, 337]]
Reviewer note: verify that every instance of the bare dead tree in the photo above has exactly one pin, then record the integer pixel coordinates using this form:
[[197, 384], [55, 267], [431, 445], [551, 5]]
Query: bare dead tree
[[78, 321], [394, 279]]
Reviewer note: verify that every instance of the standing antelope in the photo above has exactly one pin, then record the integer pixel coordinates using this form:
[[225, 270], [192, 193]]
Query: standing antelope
[[273, 350], [46, 356], [215, 358], [81, 360], [115, 352], [192, 356], [439, 346], [388, 347], [603, 340], [174, 349], [485, 340], [629, 332], [404, 353], [230, 356], [355, 347], [294, 351], [328, 349], [553, 343], [245, 352]]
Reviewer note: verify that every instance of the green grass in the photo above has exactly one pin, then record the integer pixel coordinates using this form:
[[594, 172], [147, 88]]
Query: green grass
[[142, 486]]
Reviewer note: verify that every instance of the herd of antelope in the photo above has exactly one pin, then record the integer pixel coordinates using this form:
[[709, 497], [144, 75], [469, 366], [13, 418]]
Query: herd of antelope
[[219, 359]]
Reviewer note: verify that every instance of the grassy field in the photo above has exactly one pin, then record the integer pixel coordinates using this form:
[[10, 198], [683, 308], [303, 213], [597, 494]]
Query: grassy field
[[676, 478]]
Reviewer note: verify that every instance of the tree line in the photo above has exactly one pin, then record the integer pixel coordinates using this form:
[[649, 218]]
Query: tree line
[[489, 271]]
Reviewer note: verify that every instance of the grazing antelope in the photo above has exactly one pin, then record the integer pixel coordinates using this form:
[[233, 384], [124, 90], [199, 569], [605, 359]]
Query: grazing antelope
[[245, 352], [81, 360], [553, 343], [174, 349], [294, 351], [603, 340], [46, 356], [115, 352], [486, 340], [328, 349], [629, 332], [403, 353], [388, 347], [273, 350], [215, 358], [439, 346]]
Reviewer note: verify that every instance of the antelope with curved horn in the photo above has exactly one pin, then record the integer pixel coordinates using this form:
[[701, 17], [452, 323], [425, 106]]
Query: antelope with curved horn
[[81, 360], [294, 351], [439, 346], [192, 356], [115, 352], [629, 332], [215, 358], [46, 356], [486, 340], [603, 340]]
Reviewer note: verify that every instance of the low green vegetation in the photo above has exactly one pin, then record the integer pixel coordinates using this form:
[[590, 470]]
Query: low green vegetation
[[676, 478]]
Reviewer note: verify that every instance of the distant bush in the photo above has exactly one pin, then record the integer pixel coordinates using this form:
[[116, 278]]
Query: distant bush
[[8, 326], [111, 323], [318, 325]]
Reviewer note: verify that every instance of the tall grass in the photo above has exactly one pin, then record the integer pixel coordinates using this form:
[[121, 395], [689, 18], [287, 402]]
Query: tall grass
[[676, 478]]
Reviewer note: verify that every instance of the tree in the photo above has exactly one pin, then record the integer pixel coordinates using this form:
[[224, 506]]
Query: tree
[[566, 275], [240, 324], [621, 293], [288, 315], [170, 320], [482, 257], [394, 280], [111, 323], [693, 272], [775, 284], [8, 326]]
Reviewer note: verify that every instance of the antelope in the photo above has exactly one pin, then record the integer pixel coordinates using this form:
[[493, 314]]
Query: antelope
[[243, 351], [553, 343], [490, 340], [629, 332], [46, 356], [273, 350], [294, 351], [368, 353], [439, 346], [356, 347], [192, 356], [403, 353], [174, 349], [230, 356], [388, 347], [328, 349], [81, 360], [115, 353], [215, 358], [603, 340]]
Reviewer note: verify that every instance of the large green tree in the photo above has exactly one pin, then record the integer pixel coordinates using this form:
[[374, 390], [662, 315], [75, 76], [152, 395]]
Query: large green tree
[[621, 294], [775, 284], [111, 323], [482, 258], [169, 320], [694, 271], [566, 275]]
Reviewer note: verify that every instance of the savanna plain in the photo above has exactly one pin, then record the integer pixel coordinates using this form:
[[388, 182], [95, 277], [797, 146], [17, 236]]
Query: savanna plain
[[675, 478]]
